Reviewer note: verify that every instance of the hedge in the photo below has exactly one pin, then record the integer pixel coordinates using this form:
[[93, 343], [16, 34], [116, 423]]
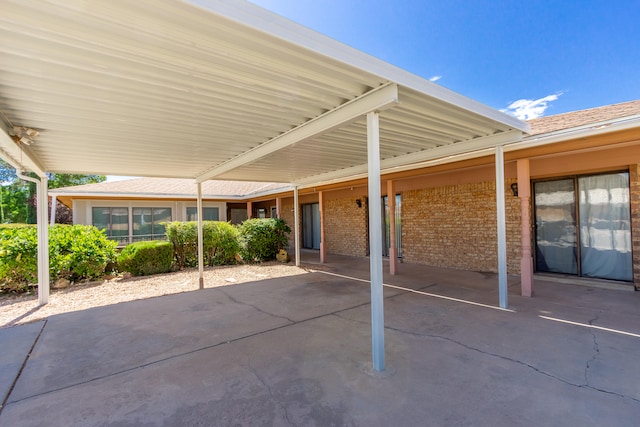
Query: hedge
[[78, 252], [145, 258], [82, 252], [261, 239], [220, 243]]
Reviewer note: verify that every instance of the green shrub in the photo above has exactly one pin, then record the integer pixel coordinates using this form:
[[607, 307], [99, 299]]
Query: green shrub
[[18, 257], [145, 258], [261, 239], [220, 242], [184, 238], [77, 252]]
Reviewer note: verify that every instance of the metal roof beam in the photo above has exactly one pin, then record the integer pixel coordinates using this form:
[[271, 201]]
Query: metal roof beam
[[376, 100], [471, 146]]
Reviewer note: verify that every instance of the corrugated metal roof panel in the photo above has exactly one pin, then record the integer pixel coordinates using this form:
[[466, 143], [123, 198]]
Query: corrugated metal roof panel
[[175, 89]]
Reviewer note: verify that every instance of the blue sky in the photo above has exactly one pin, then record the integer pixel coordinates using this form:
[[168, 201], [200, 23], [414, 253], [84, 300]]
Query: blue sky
[[541, 57], [567, 54]]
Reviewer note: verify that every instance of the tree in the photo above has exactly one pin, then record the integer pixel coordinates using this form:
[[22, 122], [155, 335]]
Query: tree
[[18, 197]]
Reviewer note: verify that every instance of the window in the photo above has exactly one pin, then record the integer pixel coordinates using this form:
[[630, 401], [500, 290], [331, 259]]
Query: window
[[148, 223], [208, 214], [115, 222]]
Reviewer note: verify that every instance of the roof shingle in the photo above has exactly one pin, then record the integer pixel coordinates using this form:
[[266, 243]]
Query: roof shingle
[[583, 117]]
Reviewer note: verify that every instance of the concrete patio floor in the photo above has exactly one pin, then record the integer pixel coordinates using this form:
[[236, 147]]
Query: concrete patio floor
[[295, 351]]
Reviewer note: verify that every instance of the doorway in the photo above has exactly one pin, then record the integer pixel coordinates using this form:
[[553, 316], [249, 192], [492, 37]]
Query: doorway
[[311, 226], [583, 226]]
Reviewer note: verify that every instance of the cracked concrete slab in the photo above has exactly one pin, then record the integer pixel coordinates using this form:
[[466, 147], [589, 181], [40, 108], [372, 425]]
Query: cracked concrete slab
[[296, 352], [85, 345], [310, 378], [15, 342]]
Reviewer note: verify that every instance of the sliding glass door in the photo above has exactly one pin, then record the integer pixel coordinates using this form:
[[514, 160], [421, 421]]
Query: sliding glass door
[[311, 226], [605, 227], [556, 242], [583, 226]]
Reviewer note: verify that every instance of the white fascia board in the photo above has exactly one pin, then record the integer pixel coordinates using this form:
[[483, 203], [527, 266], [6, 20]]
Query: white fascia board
[[378, 99], [154, 196], [592, 129], [274, 25], [445, 154], [260, 194]]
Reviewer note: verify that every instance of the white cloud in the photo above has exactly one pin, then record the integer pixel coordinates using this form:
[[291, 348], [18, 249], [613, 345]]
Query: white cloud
[[435, 78], [527, 109]]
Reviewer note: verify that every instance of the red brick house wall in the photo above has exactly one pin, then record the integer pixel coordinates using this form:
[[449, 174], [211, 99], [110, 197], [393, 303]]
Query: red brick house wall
[[455, 226], [346, 225]]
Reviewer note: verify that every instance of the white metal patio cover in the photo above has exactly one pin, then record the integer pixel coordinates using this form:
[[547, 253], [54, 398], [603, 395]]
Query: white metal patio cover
[[209, 89]]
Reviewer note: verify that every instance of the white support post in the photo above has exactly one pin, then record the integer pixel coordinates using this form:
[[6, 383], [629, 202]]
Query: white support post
[[502, 228], [375, 241], [296, 226], [200, 239], [42, 201], [43, 240]]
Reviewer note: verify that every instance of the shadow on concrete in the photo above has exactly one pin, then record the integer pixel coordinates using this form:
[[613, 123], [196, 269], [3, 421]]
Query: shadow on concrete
[[296, 351]]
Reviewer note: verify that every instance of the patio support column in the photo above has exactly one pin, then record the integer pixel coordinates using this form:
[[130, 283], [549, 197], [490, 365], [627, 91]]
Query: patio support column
[[393, 249], [323, 247], [249, 210], [42, 220], [200, 239], [296, 226], [279, 207], [375, 241], [502, 228], [526, 260], [43, 241]]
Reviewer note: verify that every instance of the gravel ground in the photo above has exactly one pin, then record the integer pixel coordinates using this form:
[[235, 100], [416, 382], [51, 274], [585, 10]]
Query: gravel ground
[[15, 310]]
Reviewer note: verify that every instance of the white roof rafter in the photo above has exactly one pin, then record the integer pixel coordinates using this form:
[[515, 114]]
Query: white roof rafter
[[378, 99]]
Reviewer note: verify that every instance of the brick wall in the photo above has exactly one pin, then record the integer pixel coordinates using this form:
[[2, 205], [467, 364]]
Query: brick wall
[[346, 231], [634, 193], [287, 215], [455, 226]]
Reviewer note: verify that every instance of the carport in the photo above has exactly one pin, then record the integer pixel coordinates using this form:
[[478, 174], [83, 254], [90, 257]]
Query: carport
[[223, 90]]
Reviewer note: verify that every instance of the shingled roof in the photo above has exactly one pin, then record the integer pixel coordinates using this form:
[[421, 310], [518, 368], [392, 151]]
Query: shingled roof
[[583, 117]]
